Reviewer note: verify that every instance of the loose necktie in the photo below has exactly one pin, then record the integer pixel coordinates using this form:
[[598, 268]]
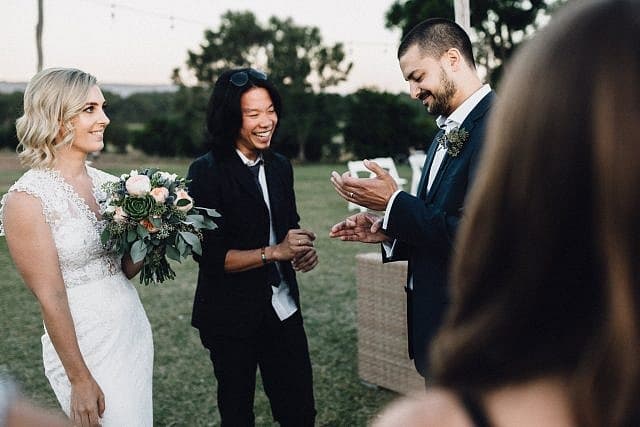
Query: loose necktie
[[273, 276]]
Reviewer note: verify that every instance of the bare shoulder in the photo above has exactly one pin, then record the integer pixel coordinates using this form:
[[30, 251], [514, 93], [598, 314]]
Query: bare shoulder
[[436, 407]]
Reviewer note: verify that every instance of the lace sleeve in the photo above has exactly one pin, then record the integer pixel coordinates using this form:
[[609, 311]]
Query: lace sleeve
[[34, 183], [2, 201]]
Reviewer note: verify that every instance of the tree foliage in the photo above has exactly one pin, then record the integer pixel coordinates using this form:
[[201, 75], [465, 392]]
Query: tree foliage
[[293, 56], [381, 124], [500, 25]]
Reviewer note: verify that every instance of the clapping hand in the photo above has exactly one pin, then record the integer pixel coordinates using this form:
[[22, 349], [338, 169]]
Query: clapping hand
[[297, 247], [363, 227], [373, 193]]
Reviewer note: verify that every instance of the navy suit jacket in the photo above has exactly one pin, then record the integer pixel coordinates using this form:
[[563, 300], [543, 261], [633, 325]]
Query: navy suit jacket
[[425, 228], [233, 304]]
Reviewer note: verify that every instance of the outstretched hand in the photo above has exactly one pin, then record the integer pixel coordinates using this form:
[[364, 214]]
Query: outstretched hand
[[363, 227], [373, 193]]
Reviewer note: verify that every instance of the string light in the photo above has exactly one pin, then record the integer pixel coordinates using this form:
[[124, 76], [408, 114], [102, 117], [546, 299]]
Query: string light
[[173, 18]]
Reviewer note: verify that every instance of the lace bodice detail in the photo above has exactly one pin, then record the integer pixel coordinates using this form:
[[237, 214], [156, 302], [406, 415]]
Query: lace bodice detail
[[74, 227]]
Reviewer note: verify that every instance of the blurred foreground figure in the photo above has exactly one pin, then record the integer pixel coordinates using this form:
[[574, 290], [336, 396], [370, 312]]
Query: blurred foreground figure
[[16, 411], [543, 328]]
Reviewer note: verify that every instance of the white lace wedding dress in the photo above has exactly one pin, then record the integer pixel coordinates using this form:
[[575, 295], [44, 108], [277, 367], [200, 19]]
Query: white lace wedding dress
[[111, 325]]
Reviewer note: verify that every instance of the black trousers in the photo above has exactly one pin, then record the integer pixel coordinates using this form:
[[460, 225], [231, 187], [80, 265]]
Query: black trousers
[[280, 350]]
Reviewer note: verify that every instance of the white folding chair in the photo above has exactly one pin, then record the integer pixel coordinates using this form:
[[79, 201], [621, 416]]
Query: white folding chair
[[416, 160], [387, 164], [358, 169]]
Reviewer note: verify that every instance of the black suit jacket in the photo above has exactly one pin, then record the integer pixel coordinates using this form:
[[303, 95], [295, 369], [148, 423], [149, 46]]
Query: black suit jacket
[[425, 228], [233, 304]]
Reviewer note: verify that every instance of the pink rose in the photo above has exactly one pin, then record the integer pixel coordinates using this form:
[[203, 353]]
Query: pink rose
[[119, 215], [138, 185], [183, 195], [160, 194], [149, 226]]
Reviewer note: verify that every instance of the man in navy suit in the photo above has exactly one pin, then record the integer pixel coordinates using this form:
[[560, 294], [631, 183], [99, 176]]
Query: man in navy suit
[[247, 303], [436, 59]]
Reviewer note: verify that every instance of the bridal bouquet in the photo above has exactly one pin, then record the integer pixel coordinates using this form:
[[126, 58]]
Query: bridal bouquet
[[150, 216]]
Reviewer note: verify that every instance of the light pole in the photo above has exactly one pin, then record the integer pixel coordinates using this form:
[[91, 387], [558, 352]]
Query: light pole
[[463, 14]]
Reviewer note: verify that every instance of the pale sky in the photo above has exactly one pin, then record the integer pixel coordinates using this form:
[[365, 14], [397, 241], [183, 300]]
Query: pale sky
[[137, 42]]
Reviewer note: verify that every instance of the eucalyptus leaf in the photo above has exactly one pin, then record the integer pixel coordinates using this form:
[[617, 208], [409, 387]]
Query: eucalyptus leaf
[[173, 253], [138, 251], [190, 238], [105, 236], [142, 232], [196, 248], [131, 236]]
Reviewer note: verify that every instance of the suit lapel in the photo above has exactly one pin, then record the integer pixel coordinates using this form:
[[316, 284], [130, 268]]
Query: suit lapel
[[428, 163], [243, 176], [275, 187], [469, 123]]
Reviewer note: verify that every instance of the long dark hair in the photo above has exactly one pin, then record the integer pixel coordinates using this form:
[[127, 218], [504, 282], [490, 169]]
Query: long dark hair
[[224, 118], [546, 270]]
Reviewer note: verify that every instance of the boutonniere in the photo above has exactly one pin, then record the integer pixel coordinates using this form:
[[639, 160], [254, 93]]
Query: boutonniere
[[454, 141]]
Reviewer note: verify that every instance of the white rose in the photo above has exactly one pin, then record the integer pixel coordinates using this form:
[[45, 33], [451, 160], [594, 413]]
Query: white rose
[[138, 185]]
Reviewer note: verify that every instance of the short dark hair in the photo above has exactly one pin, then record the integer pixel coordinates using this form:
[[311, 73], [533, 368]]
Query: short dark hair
[[435, 36], [224, 117]]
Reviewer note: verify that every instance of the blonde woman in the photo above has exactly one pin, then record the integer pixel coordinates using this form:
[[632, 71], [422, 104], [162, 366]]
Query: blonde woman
[[97, 343]]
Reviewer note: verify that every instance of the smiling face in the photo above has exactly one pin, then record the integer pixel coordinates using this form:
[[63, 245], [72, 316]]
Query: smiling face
[[428, 81], [90, 123], [259, 120]]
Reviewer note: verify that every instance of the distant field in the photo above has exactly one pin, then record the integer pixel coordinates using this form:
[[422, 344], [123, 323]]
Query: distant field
[[184, 387]]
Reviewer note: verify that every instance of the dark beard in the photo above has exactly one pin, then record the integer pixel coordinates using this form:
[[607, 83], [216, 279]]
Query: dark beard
[[441, 100]]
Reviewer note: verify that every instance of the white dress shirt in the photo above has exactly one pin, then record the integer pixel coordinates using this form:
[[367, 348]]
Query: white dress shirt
[[455, 119], [281, 300]]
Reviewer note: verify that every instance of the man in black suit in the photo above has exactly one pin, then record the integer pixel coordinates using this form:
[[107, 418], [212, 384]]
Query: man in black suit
[[436, 59], [247, 304]]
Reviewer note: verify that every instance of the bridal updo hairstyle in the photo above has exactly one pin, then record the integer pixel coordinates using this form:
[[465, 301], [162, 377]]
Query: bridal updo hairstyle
[[52, 98], [224, 117], [546, 273]]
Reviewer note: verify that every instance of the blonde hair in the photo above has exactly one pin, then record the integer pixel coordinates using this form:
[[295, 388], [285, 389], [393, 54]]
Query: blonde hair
[[52, 99]]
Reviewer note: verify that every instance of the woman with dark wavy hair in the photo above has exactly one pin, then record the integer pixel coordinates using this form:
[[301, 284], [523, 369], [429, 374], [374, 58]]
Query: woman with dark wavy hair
[[544, 325]]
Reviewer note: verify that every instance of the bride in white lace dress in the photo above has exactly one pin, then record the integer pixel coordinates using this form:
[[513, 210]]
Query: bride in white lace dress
[[97, 345]]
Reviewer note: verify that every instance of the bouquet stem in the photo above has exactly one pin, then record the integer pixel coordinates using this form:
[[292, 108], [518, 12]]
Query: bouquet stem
[[156, 268]]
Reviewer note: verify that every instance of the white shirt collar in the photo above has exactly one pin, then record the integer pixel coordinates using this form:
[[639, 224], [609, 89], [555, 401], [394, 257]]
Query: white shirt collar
[[458, 115], [247, 161]]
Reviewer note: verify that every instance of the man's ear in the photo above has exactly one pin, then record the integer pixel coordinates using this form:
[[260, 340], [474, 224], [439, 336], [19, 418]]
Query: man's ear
[[453, 58]]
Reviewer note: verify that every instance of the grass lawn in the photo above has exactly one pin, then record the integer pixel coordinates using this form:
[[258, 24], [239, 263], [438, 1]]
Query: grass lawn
[[184, 386]]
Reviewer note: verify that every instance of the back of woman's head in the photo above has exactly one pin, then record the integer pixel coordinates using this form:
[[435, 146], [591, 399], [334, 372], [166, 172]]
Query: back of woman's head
[[546, 270], [224, 116], [52, 99]]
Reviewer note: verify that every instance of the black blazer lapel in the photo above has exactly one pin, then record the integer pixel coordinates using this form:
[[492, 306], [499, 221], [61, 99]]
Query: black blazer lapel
[[276, 187], [468, 124], [242, 175], [427, 163]]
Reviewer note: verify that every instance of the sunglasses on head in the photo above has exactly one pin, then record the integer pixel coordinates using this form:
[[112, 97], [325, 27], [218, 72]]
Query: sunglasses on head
[[241, 78]]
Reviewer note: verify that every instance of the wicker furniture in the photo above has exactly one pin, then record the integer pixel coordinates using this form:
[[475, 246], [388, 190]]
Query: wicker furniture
[[382, 332]]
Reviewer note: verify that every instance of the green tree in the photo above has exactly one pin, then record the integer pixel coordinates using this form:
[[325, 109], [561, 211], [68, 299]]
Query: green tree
[[500, 25], [293, 56], [10, 110], [381, 124]]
